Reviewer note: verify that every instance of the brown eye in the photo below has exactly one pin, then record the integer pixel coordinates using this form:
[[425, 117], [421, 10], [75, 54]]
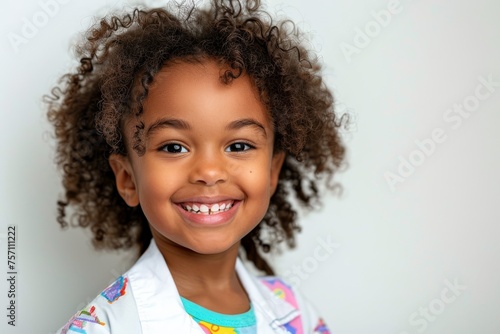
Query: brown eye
[[239, 147], [174, 148]]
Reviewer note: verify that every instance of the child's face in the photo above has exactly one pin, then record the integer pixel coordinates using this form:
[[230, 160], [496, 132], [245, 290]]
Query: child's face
[[209, 147]]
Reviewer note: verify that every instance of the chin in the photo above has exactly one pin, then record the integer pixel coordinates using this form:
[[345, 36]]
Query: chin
[[211, 249]]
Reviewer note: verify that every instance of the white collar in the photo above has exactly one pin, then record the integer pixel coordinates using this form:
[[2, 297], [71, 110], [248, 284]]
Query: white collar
[[160, 308]]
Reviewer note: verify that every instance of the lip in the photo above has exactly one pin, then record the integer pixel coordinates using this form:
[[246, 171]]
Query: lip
[[216, 219], [207, 199]]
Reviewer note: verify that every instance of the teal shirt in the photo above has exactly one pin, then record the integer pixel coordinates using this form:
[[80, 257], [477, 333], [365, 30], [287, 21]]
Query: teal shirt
[[211, 322]]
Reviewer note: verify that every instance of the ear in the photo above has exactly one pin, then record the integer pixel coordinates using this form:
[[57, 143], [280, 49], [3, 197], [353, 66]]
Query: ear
[[276, 164], [125, 181]]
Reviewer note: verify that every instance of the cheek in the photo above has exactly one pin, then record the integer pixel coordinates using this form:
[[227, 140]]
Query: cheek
[[236, 168], [157, 183], [257, 180]]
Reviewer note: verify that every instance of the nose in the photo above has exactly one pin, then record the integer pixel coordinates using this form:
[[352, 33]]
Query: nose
[[209, 168]]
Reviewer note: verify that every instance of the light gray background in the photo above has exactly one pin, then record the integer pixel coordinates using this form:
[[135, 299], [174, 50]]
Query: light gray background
[[395, 249]]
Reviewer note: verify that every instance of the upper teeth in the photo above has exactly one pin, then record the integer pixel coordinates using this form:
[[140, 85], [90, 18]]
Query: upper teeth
[[207, 209]]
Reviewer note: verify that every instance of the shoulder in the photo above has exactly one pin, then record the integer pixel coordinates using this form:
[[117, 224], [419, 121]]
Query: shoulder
[[310, 320], [113, 308]]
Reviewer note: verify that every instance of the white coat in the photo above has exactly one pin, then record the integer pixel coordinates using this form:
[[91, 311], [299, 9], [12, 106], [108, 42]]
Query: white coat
[[145, 300]]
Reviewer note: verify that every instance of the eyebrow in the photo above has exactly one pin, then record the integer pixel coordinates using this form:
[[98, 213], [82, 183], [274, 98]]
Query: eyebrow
[[182, 125], [241, 123], [167, 123]]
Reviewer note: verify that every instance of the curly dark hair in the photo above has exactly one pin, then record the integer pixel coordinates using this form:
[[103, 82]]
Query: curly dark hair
[[119, 58]]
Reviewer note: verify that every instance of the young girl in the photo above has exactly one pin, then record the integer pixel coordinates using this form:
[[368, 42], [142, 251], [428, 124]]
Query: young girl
[[183, 132]]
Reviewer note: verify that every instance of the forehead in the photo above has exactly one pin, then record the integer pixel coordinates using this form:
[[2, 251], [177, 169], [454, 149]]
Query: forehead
[[184, 88]]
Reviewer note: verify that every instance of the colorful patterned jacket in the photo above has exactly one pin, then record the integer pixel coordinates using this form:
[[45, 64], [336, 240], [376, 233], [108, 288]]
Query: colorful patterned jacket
[[145, 300]]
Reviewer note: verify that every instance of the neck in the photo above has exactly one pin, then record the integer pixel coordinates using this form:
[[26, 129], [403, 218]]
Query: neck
[[196, 273], [209, 280]]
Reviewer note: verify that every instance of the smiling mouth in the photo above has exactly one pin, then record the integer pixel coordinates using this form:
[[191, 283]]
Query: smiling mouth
[[207, 209]]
